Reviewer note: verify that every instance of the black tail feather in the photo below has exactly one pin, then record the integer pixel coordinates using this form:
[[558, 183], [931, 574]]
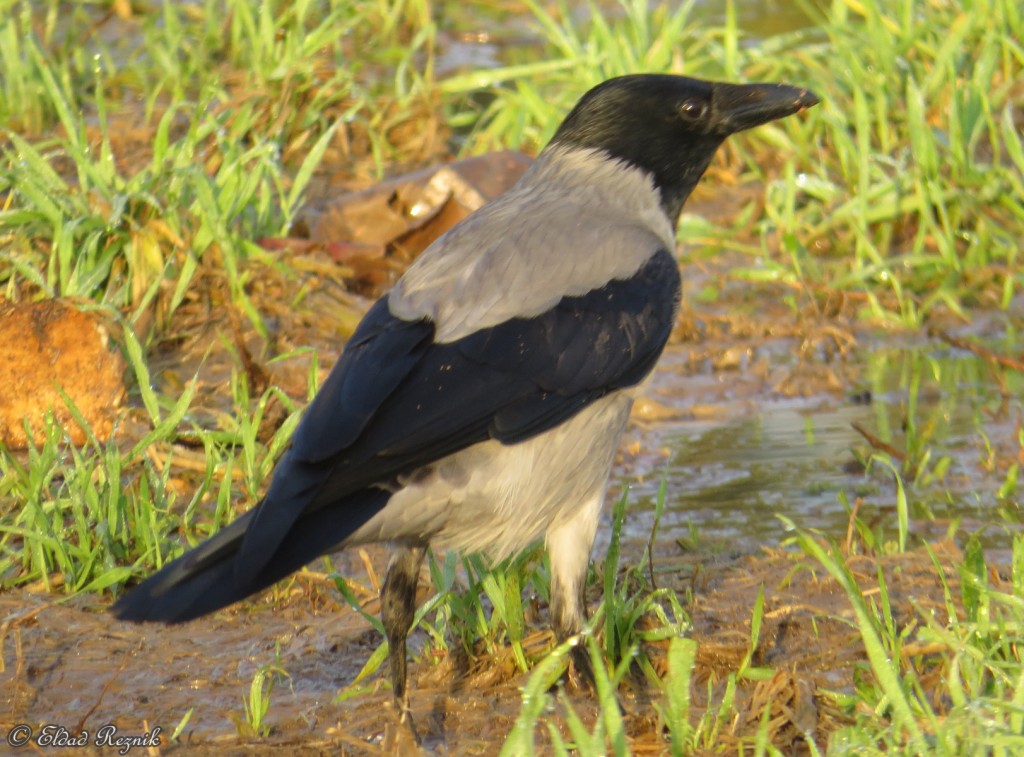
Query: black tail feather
[[204, 579]]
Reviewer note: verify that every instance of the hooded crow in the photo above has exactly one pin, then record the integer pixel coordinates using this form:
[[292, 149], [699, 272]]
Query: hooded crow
[[478, 406]]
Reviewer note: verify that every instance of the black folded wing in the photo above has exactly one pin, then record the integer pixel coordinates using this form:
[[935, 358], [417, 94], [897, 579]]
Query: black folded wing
[[396, 400]]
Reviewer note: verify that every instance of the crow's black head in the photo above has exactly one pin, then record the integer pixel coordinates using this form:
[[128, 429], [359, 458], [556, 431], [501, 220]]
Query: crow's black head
[[671, 126]]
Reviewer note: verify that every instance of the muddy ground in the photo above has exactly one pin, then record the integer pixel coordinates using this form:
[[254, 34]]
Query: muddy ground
[[67, 663]]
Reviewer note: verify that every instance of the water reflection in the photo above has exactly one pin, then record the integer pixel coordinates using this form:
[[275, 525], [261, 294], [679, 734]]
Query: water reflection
[[947, 411], [757, 19], [482, 35]]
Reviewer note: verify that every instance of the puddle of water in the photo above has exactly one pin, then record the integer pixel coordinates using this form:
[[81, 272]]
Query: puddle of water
[[757, 19], [482, 36], [766, 456]]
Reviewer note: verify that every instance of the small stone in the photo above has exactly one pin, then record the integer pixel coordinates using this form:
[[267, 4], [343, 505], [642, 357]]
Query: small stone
[[50, 344]]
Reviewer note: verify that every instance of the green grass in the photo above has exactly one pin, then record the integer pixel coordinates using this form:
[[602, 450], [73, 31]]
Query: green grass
[[251, 724], [978, 710], [901, 191], [942, 685], [240, 121]]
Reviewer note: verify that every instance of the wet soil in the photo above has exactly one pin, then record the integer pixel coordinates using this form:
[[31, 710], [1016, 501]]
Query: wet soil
[[66, 663]]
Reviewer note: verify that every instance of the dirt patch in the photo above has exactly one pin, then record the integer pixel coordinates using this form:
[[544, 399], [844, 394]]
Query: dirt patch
[[52, 348], [808, 637], [69, 663]]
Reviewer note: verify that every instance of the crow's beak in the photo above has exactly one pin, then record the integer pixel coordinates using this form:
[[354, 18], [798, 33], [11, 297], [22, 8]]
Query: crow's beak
[[743, 106]]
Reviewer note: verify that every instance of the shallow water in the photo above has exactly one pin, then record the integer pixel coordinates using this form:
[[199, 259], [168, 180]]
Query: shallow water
[[480, 37], [757, 19], [762, 455]]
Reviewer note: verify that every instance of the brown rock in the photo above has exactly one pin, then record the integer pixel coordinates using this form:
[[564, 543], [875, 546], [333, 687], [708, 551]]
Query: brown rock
[[50, 344]]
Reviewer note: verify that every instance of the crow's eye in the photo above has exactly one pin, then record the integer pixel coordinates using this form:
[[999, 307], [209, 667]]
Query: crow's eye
[[693, 110]]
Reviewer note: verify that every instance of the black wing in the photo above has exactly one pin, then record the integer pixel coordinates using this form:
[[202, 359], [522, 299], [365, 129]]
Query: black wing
[[396, 400]]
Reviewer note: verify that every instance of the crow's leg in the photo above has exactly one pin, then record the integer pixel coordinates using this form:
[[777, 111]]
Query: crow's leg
[[397, 607], [569, 545]]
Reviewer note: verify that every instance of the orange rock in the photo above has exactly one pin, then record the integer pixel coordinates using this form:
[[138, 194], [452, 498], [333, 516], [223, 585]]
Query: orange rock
[[50, 344]]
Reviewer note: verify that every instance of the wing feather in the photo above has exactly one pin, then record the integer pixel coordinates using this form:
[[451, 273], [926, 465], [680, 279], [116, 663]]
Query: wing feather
[[397, 400]]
